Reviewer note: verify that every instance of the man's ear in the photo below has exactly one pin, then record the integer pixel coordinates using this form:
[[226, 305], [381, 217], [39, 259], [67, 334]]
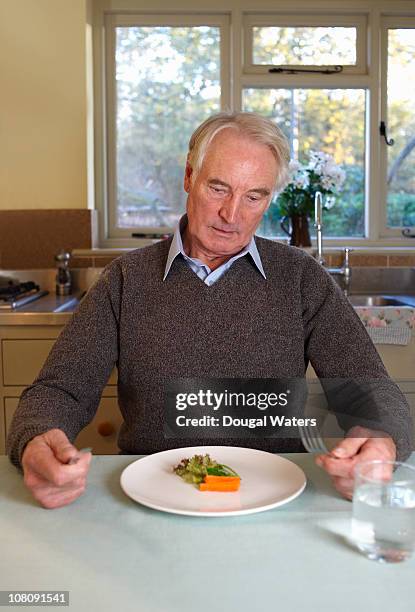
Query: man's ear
[[187, 177]]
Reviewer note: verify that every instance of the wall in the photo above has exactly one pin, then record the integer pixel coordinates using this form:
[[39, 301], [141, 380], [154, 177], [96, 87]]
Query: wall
[[43, 105]]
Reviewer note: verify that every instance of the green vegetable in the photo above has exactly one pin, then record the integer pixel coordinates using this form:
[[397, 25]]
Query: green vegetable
[[195, 469], [222, 470]]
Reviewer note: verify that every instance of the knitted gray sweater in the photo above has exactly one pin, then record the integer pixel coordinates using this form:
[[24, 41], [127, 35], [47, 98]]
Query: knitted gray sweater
[[243, 326]]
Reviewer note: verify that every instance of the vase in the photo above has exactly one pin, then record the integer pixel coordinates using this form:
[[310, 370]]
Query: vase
[[297, 228]]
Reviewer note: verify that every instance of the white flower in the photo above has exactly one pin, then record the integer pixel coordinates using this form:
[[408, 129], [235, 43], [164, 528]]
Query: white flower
[[293, 167], [332, 176], [329, 202], [301, 180], [327, 175], [318, 161], [298, 175], [326, 182]]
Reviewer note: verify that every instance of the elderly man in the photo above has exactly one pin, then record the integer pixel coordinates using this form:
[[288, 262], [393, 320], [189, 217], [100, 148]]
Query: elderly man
[[215, 302]]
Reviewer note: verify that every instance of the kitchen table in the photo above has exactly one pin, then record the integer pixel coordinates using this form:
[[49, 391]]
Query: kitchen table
[[112, 554]]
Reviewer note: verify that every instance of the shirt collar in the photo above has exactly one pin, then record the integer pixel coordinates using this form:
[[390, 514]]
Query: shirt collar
[[176, 248]]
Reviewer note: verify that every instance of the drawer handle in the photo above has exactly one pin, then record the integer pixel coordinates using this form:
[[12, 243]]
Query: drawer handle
[[106, 429]]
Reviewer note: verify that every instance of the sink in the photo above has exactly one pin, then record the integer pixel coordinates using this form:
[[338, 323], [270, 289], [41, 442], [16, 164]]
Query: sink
[[391, 282], [381, 300]]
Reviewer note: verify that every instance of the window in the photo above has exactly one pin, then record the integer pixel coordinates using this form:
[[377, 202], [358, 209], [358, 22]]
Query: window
[[313, 117], [329, 120], [328, 80], [299, 46], [400, 121], [165, 79], [309, 40]]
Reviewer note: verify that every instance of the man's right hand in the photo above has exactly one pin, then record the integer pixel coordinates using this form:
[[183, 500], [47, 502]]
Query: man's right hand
[[47, 474]]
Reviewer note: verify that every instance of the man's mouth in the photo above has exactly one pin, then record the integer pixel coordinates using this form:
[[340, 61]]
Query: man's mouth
[[223, 232]]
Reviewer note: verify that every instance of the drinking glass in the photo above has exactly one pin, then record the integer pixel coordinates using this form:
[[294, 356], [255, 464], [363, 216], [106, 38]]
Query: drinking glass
[[383, 523]]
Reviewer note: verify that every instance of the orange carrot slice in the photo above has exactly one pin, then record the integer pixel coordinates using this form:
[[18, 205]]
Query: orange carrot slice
[[220, 486], [209, 478]]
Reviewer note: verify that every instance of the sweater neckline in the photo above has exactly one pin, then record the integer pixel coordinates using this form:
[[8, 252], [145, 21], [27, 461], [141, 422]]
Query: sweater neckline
[[237, 269]]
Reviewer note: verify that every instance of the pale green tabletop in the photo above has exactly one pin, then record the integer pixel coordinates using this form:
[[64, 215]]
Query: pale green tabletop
[[113, 554]]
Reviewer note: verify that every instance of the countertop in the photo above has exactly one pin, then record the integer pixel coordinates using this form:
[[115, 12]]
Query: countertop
[[34, 318], [113, 554], [57, 311], [50, 309]]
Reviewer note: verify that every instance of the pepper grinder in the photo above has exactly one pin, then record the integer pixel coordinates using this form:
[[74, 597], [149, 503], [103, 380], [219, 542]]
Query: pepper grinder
[[63, 274]]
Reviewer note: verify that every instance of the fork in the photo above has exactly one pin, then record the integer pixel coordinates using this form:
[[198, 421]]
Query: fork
[[74, 460], [312, 440]]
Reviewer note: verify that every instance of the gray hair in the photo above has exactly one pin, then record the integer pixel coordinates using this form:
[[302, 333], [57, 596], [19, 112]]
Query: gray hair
[[254, 126]]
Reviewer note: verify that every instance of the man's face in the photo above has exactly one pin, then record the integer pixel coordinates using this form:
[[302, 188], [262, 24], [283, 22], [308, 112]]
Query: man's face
[[230, 194]]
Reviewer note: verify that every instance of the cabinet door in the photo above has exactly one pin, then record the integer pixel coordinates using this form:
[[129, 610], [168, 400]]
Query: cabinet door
[[399, 360], [101, 434], [23, 359]]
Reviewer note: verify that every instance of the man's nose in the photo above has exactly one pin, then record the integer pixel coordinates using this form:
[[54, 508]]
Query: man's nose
[[229, 209]]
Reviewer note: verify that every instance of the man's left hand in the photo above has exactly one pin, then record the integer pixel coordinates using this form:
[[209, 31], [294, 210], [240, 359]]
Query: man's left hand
[[360, 444]]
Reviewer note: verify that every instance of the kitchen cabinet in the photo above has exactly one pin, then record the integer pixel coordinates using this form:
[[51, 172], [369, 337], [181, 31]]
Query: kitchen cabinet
[[23, 358], [400, 364], [23, 350]]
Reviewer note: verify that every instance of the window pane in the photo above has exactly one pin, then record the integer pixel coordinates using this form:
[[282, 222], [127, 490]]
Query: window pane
[[401, 127], [329, 120], [306, 46], [168, 81]]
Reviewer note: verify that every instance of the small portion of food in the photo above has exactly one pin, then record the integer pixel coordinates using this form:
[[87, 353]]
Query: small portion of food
[[195, 469], [208, 474], [220, 483]]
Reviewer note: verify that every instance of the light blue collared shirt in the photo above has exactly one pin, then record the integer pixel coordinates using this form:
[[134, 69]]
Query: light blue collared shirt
[[201, 269]]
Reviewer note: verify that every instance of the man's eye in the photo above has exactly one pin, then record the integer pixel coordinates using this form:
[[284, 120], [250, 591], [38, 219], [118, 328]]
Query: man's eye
[[253, 198], [217, 190]]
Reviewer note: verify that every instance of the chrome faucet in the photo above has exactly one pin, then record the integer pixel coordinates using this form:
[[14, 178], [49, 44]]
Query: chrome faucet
[[345, 270], [318, 224]]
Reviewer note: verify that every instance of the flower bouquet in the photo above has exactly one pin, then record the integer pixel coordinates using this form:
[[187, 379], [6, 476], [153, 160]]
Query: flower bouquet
[[296, 201]]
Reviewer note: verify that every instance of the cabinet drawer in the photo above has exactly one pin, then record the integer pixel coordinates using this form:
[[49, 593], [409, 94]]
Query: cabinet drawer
[[23, 359], [101, 434]]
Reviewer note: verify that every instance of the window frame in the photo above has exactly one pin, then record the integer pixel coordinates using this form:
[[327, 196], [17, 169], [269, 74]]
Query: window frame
[[308, 20], [111, 22], [375, 11], [387, 23]]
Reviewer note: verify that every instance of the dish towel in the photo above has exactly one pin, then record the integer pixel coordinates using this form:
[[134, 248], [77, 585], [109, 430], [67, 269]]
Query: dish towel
[[388, 324]]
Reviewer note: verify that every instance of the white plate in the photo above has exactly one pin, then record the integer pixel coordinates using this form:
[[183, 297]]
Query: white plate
[[267, 481]]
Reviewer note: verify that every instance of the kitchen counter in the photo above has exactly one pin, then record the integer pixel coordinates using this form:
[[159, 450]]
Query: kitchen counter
[[57, 310], [53, 310], [34, 318], [111, 553], [48, 310]]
